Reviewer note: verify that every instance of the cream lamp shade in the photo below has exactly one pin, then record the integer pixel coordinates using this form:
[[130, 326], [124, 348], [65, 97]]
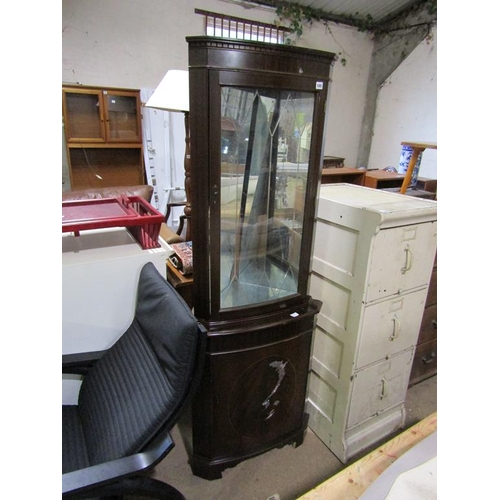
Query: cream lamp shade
[[172, 94]]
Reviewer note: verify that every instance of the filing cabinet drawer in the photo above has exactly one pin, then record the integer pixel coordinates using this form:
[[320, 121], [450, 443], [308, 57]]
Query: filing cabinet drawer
[[400, 260], [390, 326], [379, 387]]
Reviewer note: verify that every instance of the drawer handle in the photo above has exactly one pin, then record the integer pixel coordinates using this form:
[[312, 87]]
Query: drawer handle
[[385, 389], [396, 328], [429, 359], [408, 261]]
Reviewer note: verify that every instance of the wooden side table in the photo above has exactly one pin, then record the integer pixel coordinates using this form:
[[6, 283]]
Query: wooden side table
[[350, 175], [380, 179], [183, 284]]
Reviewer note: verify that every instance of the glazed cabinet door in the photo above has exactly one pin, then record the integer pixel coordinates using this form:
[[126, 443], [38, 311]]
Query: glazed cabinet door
[[83, 115], [122, 113], [262, 194]]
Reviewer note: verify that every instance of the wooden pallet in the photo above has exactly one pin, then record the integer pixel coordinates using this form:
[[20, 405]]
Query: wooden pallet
[[353, 481]]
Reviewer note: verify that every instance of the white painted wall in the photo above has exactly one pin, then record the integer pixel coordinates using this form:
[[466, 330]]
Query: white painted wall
[[132, 43], [407, 110], [348, 86]]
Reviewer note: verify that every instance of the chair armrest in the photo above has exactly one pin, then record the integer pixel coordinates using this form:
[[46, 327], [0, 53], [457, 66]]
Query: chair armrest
[[169, 208], [102, 474], [81, 362], [182, 219]]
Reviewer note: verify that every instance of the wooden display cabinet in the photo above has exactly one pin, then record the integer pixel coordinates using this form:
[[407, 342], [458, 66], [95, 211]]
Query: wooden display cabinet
[[257, 124], [103, 136]]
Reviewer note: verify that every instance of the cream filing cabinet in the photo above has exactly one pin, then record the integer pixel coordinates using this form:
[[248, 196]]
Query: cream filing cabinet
[[372, 261]]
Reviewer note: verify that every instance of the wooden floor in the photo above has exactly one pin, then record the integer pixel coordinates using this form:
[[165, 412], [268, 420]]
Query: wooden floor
[[352, 481]]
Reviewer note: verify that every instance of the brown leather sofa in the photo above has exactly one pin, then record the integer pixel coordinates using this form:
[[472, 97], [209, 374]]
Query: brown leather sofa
[[142, 190]]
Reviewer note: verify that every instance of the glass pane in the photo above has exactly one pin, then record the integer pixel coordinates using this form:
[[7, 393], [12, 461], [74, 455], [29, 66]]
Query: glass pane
[[265, 141], [84, 120], [122, 117]]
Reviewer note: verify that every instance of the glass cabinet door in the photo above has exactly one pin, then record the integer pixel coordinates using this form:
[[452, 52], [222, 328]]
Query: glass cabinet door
[[265, 143], [122, 117], [83, 116]]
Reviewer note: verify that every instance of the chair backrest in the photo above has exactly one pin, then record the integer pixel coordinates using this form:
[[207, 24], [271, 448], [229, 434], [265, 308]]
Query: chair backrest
[[139, 386]]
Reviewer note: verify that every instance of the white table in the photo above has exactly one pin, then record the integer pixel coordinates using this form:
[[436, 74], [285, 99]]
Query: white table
[[100, 272]]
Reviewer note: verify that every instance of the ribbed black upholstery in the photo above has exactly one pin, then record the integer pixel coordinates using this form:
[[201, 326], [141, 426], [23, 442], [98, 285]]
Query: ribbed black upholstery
[[74, 448], [137, 386]]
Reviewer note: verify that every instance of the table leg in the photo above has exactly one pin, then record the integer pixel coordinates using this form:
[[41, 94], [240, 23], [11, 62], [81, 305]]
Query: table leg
[[411, 166]]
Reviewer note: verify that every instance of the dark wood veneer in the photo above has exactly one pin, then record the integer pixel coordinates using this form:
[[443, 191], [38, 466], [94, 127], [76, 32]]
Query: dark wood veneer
[[253, 390]]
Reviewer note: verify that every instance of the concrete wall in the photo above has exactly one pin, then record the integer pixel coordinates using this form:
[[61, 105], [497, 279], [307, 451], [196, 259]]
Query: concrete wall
[[407, 110]]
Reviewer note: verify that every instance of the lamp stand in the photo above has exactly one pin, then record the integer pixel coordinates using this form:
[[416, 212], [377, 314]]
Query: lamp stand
[[187, 177]]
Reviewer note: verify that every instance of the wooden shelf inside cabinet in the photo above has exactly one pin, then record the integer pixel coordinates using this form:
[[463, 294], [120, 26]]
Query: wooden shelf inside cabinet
[[349, 175], [103, 136]]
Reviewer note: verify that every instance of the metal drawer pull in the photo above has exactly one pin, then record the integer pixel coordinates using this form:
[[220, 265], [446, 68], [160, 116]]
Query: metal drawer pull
[[385, 389], [396, 328], [409, 261], [429, 359]]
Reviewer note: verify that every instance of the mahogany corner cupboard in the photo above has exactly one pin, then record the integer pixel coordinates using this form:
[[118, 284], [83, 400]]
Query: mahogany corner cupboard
[[257, 113]]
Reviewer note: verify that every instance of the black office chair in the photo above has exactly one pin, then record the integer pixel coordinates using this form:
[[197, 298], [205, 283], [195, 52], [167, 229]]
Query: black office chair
[[131, 397]]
